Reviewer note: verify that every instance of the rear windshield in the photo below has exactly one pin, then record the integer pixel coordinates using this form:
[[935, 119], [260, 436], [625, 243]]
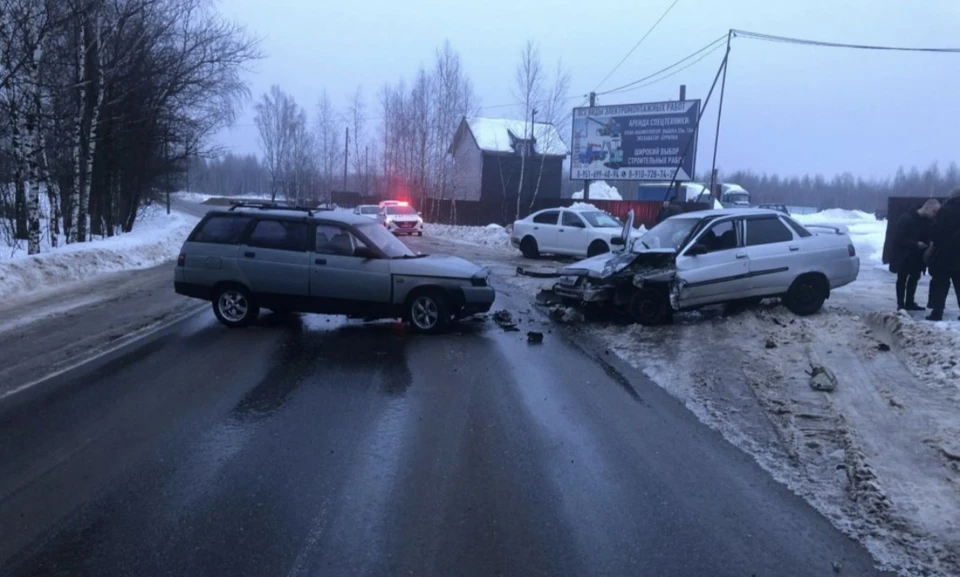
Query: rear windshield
[[601, 219], [400, 209], [221, 229]]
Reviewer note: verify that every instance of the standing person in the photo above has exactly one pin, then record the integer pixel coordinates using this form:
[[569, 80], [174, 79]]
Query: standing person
[[670, 208], [945, 261], [911, 238]]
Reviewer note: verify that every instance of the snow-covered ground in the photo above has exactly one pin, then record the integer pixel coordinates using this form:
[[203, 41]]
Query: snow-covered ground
[[199, 197], [600, 190], [879, 456], [156, 238], [492, 235]]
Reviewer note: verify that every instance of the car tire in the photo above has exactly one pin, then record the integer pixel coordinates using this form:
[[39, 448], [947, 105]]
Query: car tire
[[234, 306], [529, 248], [420, 233], [651, 307], [428, 311], [806, 295], [597, 247]]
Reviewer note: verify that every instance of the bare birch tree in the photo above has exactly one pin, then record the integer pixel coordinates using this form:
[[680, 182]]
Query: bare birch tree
[[552, 109], [356, 112], [329, 147], [528, 79], [275, 121]]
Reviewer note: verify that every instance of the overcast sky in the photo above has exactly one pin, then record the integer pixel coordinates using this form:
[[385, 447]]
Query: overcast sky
[[788, 109]]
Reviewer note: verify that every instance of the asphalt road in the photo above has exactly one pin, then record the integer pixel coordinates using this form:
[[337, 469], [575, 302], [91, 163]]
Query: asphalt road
[[309, 446]]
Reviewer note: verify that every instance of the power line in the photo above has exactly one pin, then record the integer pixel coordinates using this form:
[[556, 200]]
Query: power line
[[674, 73], [807, 42], [662, 70], [637, 45]]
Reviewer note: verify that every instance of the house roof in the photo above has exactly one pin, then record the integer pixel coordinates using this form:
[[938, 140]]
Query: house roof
[[499, 134]]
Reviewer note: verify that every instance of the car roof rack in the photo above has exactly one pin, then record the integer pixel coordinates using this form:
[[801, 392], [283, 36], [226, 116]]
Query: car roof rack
[[275, 206]]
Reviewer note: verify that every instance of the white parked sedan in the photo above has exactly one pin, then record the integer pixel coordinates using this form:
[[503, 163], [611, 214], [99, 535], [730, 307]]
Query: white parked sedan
[[565, 231], [368, 210], [715, 256]]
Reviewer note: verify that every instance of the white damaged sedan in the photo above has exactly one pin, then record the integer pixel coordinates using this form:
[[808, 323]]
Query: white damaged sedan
[[710, 257]]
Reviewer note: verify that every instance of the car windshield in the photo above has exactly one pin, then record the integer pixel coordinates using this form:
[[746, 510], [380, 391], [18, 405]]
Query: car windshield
[[401, 209], [668, 234], [368, 210], [601, 219], [385, 241]]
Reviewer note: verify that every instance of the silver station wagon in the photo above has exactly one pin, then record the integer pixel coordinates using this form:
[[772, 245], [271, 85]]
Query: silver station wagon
[[322, 261]]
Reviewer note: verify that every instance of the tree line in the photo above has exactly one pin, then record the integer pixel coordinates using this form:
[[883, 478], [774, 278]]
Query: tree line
[[845, 190], [393, 142], [102, 102]]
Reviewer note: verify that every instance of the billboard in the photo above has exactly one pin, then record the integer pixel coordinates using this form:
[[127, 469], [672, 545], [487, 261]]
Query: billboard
[[635, 141]]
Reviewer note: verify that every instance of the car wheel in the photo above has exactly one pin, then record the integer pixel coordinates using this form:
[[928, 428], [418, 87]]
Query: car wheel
[[428, 312], [597, 247], [806, 295], [234, 306], [420, 233], [529, 248], [651, 307]]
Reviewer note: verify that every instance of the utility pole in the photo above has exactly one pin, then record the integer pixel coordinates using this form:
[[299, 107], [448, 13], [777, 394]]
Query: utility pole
[[586, 183], [346, 155], [716, 138], [677, 187], [366, 169]]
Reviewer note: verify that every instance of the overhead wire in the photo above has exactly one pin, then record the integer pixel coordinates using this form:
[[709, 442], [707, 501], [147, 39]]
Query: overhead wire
[[637, 45], [674, 73], [709, 46], [807, 42]]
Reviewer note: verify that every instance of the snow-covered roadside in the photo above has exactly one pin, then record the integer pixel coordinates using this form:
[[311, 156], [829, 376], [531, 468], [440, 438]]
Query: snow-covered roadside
[[878, 456], [156, 238], [492, 235]]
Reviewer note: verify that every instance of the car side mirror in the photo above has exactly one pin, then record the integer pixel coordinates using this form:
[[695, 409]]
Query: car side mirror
[[365, 253], [697, 250], [617, 241]]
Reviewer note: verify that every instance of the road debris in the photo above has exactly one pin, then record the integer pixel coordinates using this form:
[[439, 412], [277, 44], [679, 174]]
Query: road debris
[[534, 337], [822, 378], [504, 320]]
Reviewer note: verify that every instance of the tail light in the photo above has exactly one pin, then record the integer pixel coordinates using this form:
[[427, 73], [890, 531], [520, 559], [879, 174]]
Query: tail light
[[181, 259], [851, 250]]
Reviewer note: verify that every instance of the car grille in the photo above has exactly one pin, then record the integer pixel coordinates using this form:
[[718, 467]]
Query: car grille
[[405, 224]]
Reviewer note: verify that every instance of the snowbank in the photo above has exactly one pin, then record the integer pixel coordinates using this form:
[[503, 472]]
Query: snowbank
[[491, 235], [582, 206], [600, 190], [866, 232], [155, 239]]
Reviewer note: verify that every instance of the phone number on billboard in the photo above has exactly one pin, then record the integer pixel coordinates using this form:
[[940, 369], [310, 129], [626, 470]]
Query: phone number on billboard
[[627, 174]]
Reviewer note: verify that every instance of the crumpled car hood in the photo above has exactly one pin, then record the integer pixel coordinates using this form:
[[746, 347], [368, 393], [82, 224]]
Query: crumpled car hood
[[610, 263]]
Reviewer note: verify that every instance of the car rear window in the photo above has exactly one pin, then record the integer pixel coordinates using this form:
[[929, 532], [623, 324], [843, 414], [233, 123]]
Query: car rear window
[[549, 217], [767, 231], [801, 232], [279, 235], [221, 229]]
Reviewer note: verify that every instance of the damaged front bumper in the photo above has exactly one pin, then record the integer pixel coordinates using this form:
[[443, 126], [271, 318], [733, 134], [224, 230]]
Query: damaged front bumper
[[582, 289]]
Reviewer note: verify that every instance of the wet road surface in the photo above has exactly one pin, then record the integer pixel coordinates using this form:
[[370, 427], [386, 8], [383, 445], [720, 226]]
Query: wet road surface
[[309, 446]]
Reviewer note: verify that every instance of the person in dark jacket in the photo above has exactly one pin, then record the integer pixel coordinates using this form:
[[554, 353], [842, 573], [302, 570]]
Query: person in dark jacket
[[670, 208], [945, 262], [911, 238]]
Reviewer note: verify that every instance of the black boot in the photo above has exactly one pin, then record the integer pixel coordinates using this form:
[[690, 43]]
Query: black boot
[[935, 316], [911, 306]]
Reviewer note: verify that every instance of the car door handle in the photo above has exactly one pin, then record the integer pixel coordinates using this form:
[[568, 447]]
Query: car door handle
[[741, 255], [561, 230], [319, 261], [249, 254], [794, 248], [536, 228]]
